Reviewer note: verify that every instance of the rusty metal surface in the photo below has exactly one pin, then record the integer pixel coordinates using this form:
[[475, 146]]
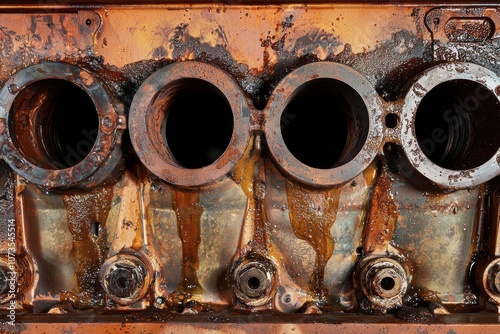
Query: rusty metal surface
[[237, 167]]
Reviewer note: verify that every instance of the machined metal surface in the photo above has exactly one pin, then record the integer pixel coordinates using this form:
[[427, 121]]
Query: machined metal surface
[[237, 167]]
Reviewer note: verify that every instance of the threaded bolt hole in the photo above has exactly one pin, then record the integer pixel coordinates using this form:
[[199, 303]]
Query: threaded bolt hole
[[253, 283], [387, 283], [122, 283]]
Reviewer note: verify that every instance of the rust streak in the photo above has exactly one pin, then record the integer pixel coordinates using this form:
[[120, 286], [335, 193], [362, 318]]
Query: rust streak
[[245, 175], [188, 211], [89, 245], [382, 216], [312, 214]]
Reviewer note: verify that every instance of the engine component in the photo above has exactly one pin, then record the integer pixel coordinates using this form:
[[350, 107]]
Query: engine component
[[254, 281], [224, 167], [125, 278], [49, 145], [384, 282]]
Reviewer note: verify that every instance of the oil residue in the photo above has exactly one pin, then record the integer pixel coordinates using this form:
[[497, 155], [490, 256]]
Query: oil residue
[[246, 174], [186, 204], [87, 215], [312, 214], [382, 216]]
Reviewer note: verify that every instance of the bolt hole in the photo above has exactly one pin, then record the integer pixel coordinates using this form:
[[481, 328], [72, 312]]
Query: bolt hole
[[253, 283], [288, 299], [122, 282], [387, 283], [391, 120], [95, 229], [88, 22], [436, 20]]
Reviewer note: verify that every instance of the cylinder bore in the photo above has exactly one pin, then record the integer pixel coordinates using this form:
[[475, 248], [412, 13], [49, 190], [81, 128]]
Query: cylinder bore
[[455, 124], [54, 123], [325, 123], [323, 126], [198, 122], [449, 133], [189, 123], [60, 127]]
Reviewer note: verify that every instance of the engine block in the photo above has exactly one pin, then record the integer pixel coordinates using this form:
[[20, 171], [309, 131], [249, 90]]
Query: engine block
[[231, 167]]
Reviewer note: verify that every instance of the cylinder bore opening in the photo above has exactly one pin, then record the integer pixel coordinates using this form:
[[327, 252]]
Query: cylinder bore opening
[[54, 123], [456, 124], [197, 122], [325, 123]]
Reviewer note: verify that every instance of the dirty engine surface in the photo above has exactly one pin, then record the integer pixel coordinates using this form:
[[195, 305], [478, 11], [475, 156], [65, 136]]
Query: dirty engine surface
[[249, 167]]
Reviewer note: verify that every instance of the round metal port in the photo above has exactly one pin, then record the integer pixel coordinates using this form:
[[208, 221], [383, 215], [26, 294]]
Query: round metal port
[[323, 125], [449, 125], [189, 123], [125, 278], [65, 123], [59, 126], [254, 281], [384, 282]]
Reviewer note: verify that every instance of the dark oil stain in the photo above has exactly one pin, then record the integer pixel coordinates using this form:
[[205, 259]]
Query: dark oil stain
[[382, 216], [186, 204], [415, 315], [392, 64], [89, 251], [312, 214]]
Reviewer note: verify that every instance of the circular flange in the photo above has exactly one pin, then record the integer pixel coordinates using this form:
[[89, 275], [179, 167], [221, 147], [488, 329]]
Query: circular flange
[[254, 281], [443, 177], [102, 154], [125, 278], [146, 121], [366, 111], [384, 282], [490, 280]]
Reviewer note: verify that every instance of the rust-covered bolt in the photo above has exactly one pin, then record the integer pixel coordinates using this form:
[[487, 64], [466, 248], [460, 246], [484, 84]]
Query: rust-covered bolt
[[488, 276], [496, 281], [254, 281], [125, 278], [494, 278], [384, 282], [387, 283]]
